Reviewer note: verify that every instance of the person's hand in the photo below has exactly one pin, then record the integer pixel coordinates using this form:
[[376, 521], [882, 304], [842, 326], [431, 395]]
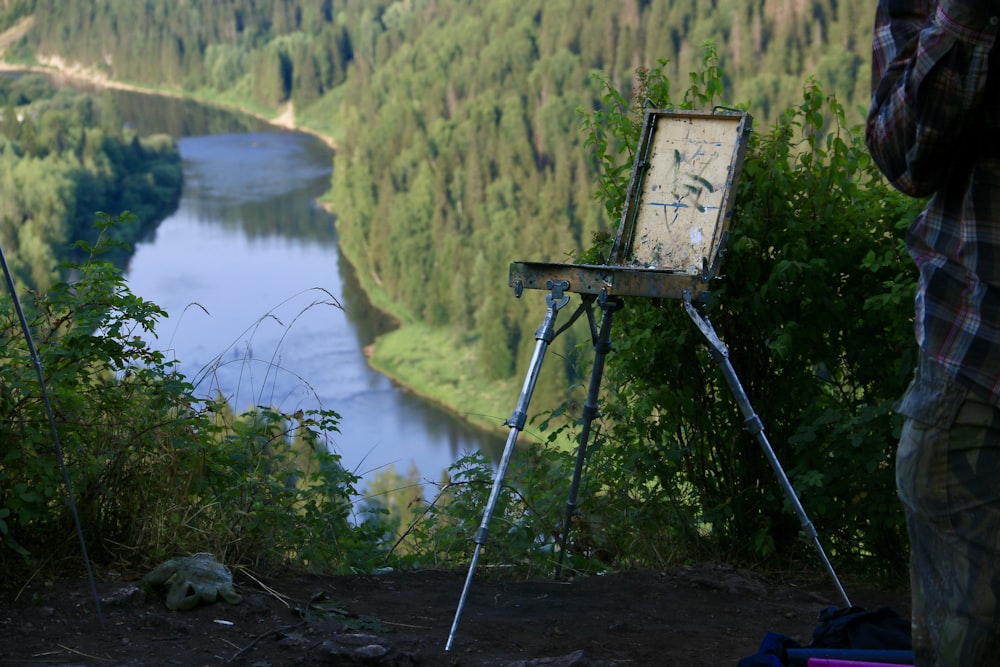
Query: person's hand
[[192, 580]]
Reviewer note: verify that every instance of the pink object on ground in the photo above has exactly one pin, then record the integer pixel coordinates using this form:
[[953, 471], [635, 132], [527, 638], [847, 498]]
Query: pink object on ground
[[836, 662]]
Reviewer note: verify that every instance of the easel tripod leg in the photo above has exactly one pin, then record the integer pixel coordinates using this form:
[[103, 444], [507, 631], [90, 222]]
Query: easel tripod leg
[[756, 428], [543, 337], [602, 345]]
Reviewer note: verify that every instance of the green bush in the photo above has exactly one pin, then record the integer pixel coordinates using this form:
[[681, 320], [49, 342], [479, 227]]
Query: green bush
[[813, 306], [155, 470], [524, 527]]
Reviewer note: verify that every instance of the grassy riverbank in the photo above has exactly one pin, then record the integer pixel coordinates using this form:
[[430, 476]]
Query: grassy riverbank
[[440, 365]]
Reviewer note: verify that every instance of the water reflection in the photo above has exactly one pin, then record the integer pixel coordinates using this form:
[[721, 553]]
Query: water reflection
[[249, 297], [154, 114], [261, 190]]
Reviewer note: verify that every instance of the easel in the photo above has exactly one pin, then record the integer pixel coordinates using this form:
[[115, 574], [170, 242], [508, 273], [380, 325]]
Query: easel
[[669, 244]]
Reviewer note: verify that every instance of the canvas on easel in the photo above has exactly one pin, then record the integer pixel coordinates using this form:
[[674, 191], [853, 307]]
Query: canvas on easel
[[677, 211]]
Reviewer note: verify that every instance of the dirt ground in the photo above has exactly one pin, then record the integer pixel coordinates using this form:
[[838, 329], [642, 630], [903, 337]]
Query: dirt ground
[[693, 616]]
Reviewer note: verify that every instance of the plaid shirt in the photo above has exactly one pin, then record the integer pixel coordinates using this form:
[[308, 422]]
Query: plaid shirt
[[934, 129]]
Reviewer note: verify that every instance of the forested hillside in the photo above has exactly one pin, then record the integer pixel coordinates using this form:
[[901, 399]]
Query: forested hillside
[[64, 156], [457, 122]]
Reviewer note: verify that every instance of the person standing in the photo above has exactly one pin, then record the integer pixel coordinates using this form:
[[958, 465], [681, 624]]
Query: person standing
[[933, 129]]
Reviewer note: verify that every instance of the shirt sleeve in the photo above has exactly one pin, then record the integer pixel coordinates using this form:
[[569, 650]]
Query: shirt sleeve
[[930, 65]]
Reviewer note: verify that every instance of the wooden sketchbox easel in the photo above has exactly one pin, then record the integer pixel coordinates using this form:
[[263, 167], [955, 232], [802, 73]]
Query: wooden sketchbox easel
[[672, 235]]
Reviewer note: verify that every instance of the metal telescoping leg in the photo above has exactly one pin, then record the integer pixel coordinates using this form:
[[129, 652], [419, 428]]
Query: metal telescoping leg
[[754, 425], [60, 455], [555, 300], [602, 345]]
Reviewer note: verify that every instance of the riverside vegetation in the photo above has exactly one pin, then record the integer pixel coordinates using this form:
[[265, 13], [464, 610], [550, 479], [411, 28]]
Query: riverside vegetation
[[813, 305]]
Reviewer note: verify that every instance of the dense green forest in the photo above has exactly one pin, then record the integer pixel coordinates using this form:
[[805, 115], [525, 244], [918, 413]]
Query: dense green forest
[[457, 123], [64, 156]]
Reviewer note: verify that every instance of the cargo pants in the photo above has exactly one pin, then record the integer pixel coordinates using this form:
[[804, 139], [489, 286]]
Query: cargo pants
[[948, 478]]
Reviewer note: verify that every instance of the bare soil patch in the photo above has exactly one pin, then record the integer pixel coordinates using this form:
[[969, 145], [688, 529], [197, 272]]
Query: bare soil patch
[[707, 615]]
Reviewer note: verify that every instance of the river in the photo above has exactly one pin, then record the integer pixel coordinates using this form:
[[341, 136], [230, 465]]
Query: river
[[262, 306]]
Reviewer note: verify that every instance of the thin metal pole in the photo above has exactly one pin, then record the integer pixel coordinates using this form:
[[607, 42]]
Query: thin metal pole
[[602, 345], [555, 300], [55, 432], [754, 425]]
